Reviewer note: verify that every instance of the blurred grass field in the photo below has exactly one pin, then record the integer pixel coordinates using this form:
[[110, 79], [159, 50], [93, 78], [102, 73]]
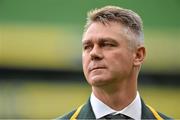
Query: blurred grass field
[[50, 100]]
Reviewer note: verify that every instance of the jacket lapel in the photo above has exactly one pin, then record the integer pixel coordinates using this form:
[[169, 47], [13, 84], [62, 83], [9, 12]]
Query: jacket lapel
[[146, 113], [86, 112]]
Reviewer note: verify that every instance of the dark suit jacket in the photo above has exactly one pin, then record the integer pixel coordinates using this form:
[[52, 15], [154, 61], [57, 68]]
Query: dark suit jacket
[[87, 113]]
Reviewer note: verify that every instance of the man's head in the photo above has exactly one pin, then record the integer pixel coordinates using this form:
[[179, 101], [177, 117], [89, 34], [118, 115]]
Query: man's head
[[112, 45], [128, 18]]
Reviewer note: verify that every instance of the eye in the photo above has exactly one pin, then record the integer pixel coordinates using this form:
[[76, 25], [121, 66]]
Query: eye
[[87, 47], [107, 44]]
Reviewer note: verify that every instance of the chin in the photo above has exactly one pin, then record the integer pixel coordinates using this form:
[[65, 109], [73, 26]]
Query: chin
[[98, 80]]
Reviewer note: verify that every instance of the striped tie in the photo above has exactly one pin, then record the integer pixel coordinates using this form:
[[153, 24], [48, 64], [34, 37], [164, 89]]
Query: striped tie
[[116, 117]]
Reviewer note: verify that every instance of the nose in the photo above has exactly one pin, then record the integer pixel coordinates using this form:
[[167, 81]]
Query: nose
[[96, 53]]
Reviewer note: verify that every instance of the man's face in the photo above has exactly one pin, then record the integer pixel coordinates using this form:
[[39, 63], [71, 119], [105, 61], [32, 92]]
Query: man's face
[[106, 54]]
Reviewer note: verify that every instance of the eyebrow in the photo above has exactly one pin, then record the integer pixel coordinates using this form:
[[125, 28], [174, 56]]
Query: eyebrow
[[88, 41], [105, 39]]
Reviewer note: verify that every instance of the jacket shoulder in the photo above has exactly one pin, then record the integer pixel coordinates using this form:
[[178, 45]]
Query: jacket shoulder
[[150, 113], [164, 116], [84, 112], [66, 116]]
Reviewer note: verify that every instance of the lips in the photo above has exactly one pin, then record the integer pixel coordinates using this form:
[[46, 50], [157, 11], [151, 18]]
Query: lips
[[96, 68]]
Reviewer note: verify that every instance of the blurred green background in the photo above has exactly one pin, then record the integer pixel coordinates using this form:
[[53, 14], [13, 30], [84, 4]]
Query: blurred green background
[[46, 35]]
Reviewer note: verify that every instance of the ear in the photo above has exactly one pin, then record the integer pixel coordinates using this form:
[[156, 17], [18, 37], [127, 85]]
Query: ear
[[139, 55]]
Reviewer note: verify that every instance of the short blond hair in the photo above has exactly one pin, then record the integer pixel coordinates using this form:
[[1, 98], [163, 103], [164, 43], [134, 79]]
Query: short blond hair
[[126, 17]]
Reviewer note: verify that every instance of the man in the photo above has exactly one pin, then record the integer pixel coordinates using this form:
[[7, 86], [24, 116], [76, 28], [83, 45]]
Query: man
[[113, 52]]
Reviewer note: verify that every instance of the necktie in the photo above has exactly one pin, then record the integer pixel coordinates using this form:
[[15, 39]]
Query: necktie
[[116, 117]]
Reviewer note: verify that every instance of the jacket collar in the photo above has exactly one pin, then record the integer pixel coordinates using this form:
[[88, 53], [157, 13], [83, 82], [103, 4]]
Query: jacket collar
[[87, 112], [146, 113]]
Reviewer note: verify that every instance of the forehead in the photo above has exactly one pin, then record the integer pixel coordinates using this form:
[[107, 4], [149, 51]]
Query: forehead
[[112, 30]]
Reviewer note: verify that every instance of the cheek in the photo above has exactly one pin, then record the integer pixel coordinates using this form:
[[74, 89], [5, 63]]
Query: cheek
[[84, 62], [121, 60]]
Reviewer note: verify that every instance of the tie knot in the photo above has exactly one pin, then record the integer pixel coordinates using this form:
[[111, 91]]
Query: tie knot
[[116, 117]]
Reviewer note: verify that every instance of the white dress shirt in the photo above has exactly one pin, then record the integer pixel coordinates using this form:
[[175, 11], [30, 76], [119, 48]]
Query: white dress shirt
[[100, 109]]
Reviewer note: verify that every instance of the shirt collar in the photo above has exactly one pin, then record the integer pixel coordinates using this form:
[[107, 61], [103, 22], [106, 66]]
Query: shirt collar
[[100, 109]]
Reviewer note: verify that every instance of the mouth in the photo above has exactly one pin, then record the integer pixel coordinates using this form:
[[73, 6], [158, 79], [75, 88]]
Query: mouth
[[97, 68]]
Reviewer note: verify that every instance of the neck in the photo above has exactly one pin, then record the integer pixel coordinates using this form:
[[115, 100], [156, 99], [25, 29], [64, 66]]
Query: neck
[[117, 96]]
